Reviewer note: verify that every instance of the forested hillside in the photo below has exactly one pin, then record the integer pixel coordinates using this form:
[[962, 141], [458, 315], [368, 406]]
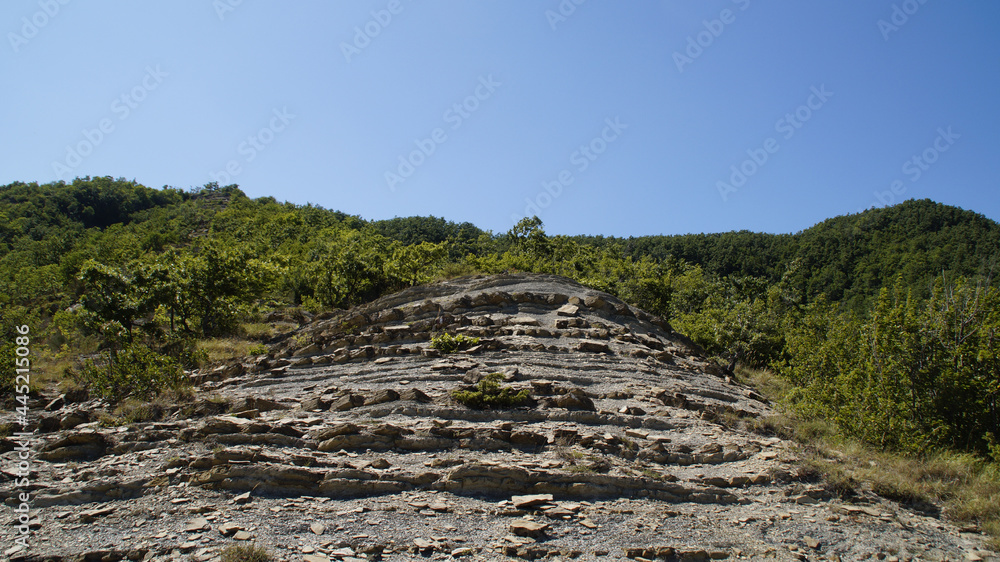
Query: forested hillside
[[886, 321], [846, 258]]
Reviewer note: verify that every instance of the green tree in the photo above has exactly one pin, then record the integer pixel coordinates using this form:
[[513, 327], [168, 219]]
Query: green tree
[[225, 282], [412, 264], [528, 240], [112, 297], [349, 267]]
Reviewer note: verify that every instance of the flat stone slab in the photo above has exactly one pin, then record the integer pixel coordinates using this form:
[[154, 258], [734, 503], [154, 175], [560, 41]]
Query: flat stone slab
[[522, 502]]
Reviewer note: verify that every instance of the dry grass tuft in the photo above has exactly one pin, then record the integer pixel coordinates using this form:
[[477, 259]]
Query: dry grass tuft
[[263, 331], [245, 553], [224, 349]]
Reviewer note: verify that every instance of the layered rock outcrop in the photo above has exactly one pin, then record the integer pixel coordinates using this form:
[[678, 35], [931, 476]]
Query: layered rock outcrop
[[346, 442]]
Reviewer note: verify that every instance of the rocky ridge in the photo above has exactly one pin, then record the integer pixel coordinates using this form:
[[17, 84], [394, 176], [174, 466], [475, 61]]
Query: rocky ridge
[[345, 443]]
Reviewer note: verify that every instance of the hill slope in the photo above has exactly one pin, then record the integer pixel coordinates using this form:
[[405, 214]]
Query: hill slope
[[349, 439], [848, 258]]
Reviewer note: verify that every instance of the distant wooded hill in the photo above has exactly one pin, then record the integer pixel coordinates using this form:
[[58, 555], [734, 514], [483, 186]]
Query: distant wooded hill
[[47, 231]]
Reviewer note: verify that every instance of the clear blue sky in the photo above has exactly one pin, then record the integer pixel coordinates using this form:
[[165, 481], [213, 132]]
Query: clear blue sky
[[643, 109]]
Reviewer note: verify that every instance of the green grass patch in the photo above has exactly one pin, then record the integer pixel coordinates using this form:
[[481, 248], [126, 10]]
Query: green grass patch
[[258, 349], [263, 331], [490, 394], [447, 343]]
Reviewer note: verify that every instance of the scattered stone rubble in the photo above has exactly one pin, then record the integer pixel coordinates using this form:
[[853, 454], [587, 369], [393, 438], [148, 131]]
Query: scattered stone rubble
[[344, 444]]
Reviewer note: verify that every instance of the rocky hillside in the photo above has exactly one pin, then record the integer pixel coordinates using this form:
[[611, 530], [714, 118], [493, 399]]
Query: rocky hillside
[[347, 442]]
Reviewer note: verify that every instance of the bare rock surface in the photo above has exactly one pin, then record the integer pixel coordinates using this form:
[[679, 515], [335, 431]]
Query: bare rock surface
[[345, 443]]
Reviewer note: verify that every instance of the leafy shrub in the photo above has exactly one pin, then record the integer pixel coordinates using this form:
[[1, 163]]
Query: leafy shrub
[[257, 349], [490, 394], [910, 375], [245, 553], [134, 371], [447, 343]]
